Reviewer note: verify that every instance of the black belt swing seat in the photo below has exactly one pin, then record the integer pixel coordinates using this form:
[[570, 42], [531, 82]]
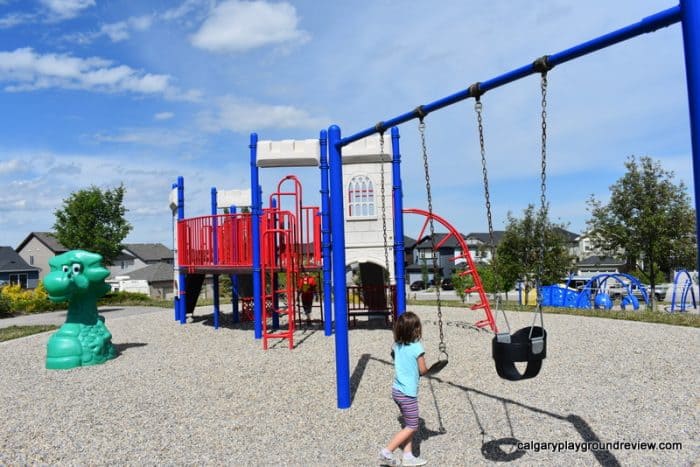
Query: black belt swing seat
[[525, 345], [528, 344]]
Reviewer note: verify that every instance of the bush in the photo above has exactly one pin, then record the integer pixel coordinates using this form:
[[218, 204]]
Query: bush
[[5, 305], [121, 298], [28, 301]]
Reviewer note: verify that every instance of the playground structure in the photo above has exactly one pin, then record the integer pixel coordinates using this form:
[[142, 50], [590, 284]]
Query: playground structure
[[287, 242], [597, 289], [291, 242], [685, 299], [518, 345]]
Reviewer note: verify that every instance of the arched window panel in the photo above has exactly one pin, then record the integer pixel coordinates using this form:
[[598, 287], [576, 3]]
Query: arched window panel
[[361, 197]]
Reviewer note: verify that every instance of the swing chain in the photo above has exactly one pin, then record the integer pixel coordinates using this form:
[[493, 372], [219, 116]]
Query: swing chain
[[386, 242], [543, 199], [442, 347], [478, 107]]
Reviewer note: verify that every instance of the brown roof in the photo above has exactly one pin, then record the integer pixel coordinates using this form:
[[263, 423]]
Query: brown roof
[[149, 251], [47, 238]]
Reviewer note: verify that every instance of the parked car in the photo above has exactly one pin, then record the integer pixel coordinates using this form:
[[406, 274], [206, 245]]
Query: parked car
[[420, 285], [447, 284], [617, 291]]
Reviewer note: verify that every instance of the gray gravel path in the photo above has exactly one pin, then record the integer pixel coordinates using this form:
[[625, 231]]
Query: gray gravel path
[[190, 395]]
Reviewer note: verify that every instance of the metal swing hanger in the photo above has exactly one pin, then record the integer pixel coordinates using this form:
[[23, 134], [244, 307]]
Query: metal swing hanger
[[443, 357]]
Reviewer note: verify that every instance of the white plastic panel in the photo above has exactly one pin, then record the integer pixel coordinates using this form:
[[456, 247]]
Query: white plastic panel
[[173, 199], [238, 198], [289, 153], [367, 150]]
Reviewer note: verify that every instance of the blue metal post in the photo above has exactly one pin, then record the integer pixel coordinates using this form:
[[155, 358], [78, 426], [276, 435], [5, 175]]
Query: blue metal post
[[690, 17], [326, 236], [215, 254], [399, 259], [182, 302], [340, 305], [234, 285], [255, 220]]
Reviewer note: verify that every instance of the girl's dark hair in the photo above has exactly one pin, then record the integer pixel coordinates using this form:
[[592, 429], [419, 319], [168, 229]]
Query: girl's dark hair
[[407, 328]]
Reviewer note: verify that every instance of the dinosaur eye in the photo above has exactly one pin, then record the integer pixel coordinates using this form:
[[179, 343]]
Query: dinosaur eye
[[77, 268], [65, 268]]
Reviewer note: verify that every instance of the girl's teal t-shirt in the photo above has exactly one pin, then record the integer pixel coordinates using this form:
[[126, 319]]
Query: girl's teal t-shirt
[[406, 375]]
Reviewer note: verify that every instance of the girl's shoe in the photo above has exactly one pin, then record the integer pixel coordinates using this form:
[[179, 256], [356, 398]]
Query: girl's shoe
[[413, 461], [388, 460]]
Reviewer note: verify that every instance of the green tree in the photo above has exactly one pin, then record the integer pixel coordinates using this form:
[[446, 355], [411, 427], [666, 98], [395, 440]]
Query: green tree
[[518, 253], [93, 220], [648, 218]]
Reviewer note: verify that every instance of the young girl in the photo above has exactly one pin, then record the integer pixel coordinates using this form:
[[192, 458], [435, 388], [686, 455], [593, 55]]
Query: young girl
[[409, 366]]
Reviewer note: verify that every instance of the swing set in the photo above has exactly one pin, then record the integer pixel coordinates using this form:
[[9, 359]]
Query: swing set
[[528, 344]]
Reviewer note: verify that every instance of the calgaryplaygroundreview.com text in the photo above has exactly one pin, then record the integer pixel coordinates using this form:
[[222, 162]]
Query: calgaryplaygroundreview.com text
[[586, 446]]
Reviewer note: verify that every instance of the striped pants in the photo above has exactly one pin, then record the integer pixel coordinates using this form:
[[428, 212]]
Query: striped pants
[[408, 406]]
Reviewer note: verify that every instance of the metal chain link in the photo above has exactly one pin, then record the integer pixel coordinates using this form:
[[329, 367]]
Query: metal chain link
[[386, 241], [442, 347], [543, 199], [478, 108]]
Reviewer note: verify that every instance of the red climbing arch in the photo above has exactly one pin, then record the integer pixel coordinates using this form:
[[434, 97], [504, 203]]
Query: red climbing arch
[[470, 270]]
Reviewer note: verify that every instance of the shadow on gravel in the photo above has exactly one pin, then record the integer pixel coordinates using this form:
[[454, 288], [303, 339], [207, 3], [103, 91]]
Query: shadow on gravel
[[357, 374], [120, 348], [423, 434], [101, 310], [225, 321], [494, 450]]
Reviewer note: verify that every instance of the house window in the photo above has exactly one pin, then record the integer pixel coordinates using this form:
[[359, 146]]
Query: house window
[[20, 279], [361, 197], [428, 254], [31, 260]]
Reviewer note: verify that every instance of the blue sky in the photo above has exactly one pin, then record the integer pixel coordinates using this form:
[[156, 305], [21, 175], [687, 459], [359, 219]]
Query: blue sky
[[107, 92]]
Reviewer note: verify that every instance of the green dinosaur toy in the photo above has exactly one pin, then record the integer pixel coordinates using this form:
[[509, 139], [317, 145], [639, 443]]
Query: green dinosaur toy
[[78, 277]]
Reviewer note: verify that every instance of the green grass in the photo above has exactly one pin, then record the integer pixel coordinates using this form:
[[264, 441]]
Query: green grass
[[647, 316], [15, 332]]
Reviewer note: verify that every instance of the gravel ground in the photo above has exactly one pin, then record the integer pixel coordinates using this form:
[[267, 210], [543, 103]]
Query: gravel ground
[[189, 394]]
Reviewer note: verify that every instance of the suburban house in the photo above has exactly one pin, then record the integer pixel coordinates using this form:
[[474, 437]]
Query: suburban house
[[144, 268], [38, 248], [573, 244], [479, 245], [135, 256], [158, 278], [587, 260], [444, 257], [14, 270], [595, 264]]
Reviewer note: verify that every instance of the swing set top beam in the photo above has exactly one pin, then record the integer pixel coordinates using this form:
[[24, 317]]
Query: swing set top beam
[[651, 23]]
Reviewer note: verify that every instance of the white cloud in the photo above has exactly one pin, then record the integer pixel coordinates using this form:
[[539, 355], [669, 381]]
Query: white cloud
[[237, 116], [15, 19], [12, 166], [163, 115], [25, 70], [66, 9], [149, 136], [121, 30], [29, 199], [236, 26], [186, 8]]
